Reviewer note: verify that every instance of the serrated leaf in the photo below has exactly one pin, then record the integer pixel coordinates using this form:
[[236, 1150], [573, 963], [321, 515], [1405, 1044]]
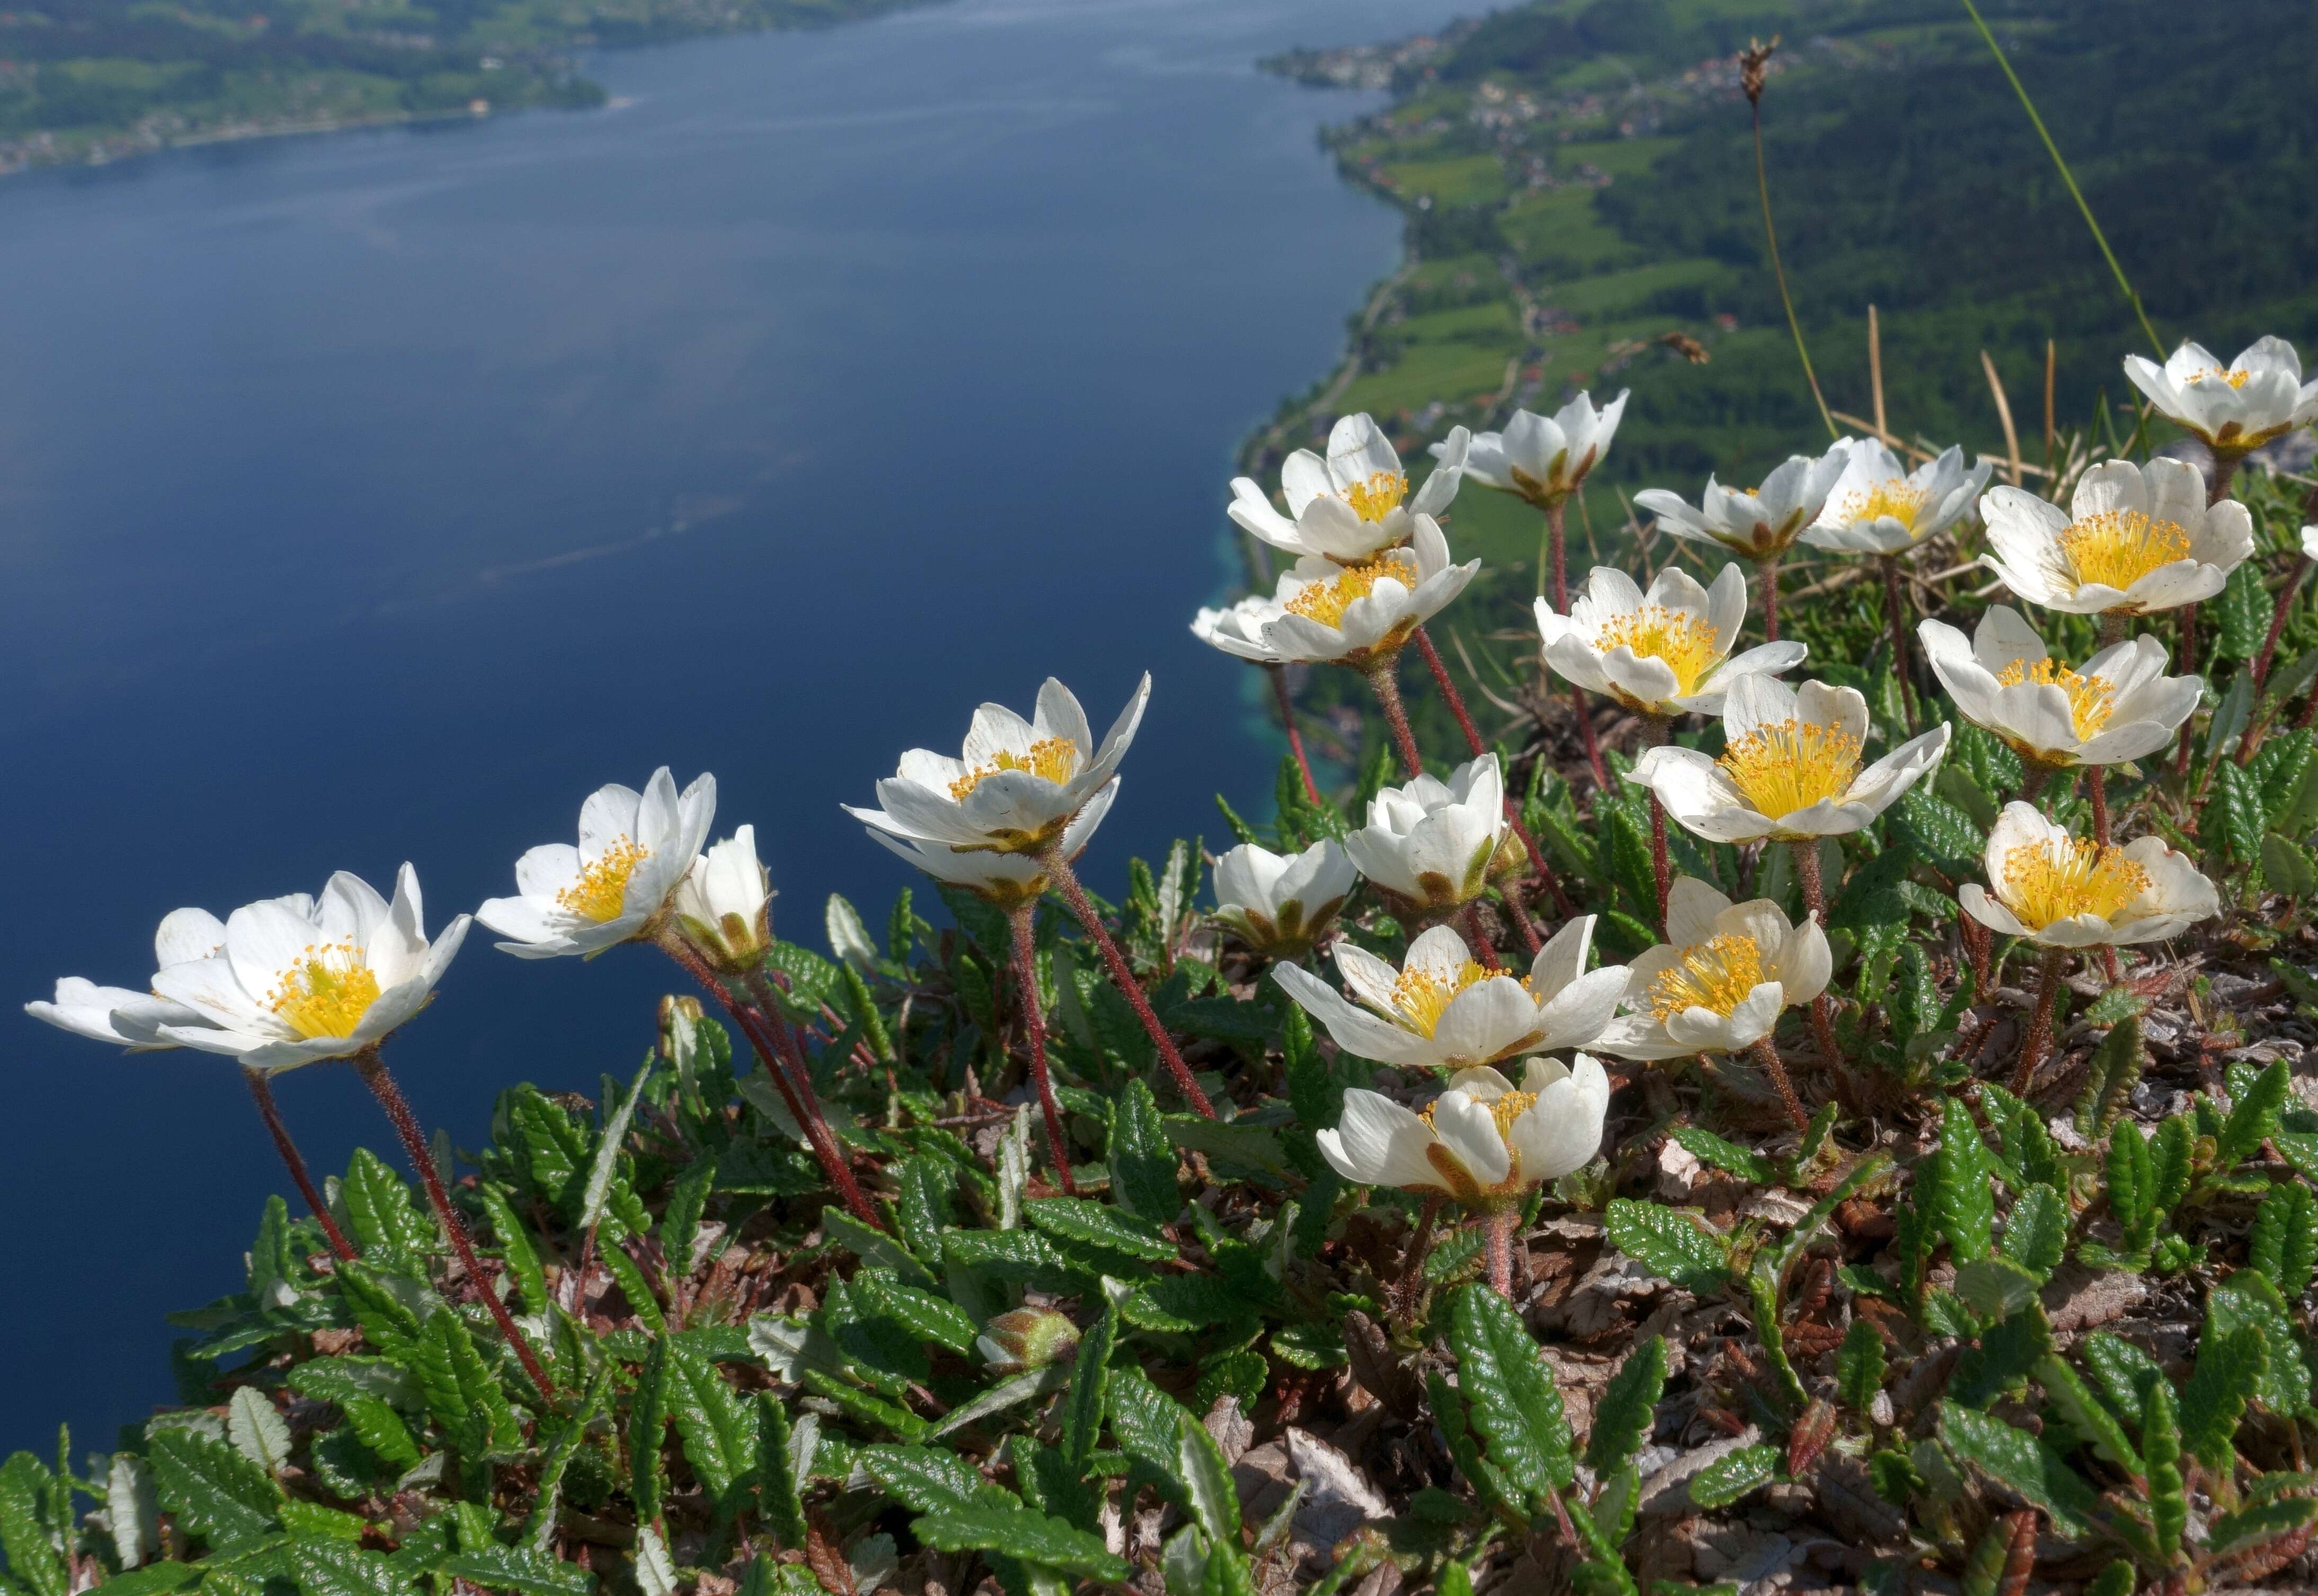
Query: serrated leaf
[[2160, 1455], [1252, 1148], [515, 1246], [1510, 1392], [1941, 834], [1859, 1365], [388, 1321], [1018, 1532], [716, 1429], [926, 1480], [2247, 1300], [1095, 1224], [1083, 1406], [2131, 1198], [656, 1572], [2253, 1115], [1142, 1159], [1209, 1490], [2095, 1425], [2241, 1531], [214, 1490], [2123, 1371], [2005, 1354], [1669, 1244], [25, 1533], [377, 1206], [935, 1318], [2286, 866], [596, 1192], [461, 1392], [1628, 1406], [332, 1567], [1733, 1475], [2013, 1459], [380, 1427], [2228, 1374], [1966, 1212], [2233, 812], [2037, 1232], [880, 1250], [256, 1430], [2284, 1245], [497, 1568], [1731, 1157], [133, 1511]]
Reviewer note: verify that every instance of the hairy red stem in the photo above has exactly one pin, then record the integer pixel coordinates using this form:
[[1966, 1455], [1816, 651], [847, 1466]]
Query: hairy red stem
[[1767, 1054], [261, 1091], [1497, 1237], [1469, 918], [1891, 564], [1278, 674], [1396, 716], [1034, 1030], [2040, 1023], [1766, 572], [1058, 871], [1822, 1012]]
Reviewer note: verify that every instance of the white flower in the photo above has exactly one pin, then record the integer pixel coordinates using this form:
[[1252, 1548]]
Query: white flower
[[134, 1018], [2061, 892], [635, 849], [2120, 706], [1345, 614], [1664, 652], [1278, 903], [1018, 783], [1544, 459], [2256, 397], [1480, 1141], [1789, 769], [1760, 524], [1878, 508], [1439, 1010], [1429, 844], [1349, 505], [301, 980], [2134, 538], [1008, 880], [1721, 981], [722, 902], [2310, 543]]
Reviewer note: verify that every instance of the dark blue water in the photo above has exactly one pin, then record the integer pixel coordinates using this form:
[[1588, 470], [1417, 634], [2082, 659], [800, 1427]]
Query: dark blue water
[[374, 497]]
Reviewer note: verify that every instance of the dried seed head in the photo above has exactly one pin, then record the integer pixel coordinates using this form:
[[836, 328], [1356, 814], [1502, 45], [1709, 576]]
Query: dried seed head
[[1754, 63]]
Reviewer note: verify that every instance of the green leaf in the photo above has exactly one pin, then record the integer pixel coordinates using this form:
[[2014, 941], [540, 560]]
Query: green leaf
[[1733, 1475], [1095, 1224], [1731, 1157], [498, 1567], [461, 1392], [2014, 1459], [716, 1428], [1082, 1407], [25, 1533], [647, 1421], [1506, 1382], [1995, 1287], [214, 1490], [2233, 812], [331, 1567], [256, 1430], [2124, 1373], [927, 1480], [2095, 1425], [2229, 719], [1209, 1490], [2247, 1300], [1142, 1159], [556, 1456], [2228, 1374], [515, 1246], [1628, 1404], [2284, 1245], [2006, 1354], [1859, 1365], [2131, 1198], [1670, 1244], [1983, 1573], [2241, 1531], [388, 1322], [2037, 1232], [934, 1319], [1966, 1211], [596, 1194], [2170, 1152], [1941, 834], [2161, 1454], [1252, 1148], [380, 1427], [2241, 613], [2286, 866], [377, 1208], [2252, 1117], [777, 1486]]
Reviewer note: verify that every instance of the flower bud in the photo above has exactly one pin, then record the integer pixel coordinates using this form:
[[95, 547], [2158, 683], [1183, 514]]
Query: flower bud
[[722, 902], [1026, 1338]]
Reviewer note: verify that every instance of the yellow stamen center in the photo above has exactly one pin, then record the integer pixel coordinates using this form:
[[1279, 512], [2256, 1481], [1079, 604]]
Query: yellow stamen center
[[1683, 642], [2091, 700], [1378, 496], [326, 992], [1421, 996], [2236, 377], [2118, 547], [1054, 758], [601, 892], [1503, 1109], [1899, 500], [1716, 974], [2043, 883], [1781, 769], [1327, 601]]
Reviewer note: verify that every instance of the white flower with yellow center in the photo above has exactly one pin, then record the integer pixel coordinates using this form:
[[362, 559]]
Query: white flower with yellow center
[[1877, 508], [635, 849], [1439, 1010], [1481, 1141], [2120, 706], [1352, 614], [1016, 783], [1544, 459], [1278, 903], [2134, 538], [1429, 844], [2061, 891], [1007, 880], [123, 1014], [2256, 397], [1757, 523], [1721, 980], [1664, 653], [1354, 503], [1789, 768], [721, 904], [302, 979]]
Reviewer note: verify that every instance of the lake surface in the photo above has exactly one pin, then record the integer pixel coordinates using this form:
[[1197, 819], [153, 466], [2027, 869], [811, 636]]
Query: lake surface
[[374, 497]]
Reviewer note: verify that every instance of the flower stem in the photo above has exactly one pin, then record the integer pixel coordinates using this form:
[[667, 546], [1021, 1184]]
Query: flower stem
[[1767, 572], [1059, 871], [1770, 236], [2034, 775], [261, 1091], [1034, 1030], [2189, 660], [2278, 620], [1278, 674], [2040, 1023], [1767, 1054], [1448, 691], [2097, 783], [373, 1072], [1498, 1238], [1655, 728], [1822, 1012], [2115, 626], [1403, 1292], [1470, 919], [1891, 564], [1396, 716]]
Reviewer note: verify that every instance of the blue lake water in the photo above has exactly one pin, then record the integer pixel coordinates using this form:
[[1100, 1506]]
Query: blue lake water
[[374, 497]]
